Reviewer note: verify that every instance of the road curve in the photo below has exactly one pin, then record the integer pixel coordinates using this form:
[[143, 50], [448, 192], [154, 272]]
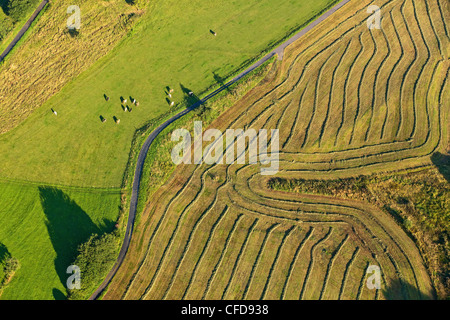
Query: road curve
[[148, 142], [23, 30]]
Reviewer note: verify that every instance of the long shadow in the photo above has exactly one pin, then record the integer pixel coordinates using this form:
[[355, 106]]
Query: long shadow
[[193, 102], [4, 253], [221, 81], [73, 32], [58, 294], [442, 162], [402, 290], [190, 98], [4, 6], [68, 226]]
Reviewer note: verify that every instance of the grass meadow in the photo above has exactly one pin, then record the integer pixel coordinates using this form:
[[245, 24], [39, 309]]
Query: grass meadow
[[42, 226]]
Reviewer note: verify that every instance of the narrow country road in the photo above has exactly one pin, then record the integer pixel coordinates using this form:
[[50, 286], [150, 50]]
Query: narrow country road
[[145, 148], [23, 30]]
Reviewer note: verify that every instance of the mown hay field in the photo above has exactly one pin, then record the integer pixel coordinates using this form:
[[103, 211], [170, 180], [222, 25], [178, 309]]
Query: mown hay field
[[348, 101]]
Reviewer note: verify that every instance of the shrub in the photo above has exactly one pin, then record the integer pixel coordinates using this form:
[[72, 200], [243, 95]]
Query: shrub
[[95, 259], [10, 266]]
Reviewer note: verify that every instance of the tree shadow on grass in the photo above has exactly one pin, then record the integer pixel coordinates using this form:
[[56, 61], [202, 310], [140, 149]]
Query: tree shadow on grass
[[220, 81], [73, 33], [68, 227], [442, 162], [4, 6], [58, 295], [190, 98], [402, 290], [4, 253]]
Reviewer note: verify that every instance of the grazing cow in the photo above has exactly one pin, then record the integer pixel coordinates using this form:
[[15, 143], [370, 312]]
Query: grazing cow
[[172, 103], [137, 103]]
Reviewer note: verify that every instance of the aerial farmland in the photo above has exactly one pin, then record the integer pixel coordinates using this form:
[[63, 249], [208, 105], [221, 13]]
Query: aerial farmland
[[224, 150]]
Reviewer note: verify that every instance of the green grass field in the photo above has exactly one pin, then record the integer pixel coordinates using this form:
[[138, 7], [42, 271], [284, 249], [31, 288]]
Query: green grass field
[[42, 226], [172, 46]]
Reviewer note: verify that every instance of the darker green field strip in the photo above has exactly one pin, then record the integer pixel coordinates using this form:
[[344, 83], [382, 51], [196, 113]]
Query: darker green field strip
[[361, 284], [151, 58], [346, 89], [446, 82], [296, 120]]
